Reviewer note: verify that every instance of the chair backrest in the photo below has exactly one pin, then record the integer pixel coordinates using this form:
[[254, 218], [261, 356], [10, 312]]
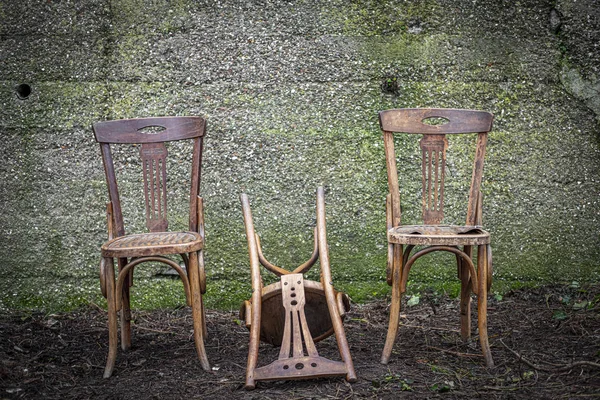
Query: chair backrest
[[434, 124], [151, 134]]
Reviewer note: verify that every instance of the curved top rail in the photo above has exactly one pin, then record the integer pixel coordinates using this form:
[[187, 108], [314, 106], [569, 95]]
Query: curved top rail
[[411, 120], [282, 271], [265, 263], [313, 258], [131, 130]]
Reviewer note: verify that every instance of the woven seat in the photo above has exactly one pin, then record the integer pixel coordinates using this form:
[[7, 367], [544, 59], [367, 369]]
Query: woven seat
[[439, 235], [145, 244], [317, 315]]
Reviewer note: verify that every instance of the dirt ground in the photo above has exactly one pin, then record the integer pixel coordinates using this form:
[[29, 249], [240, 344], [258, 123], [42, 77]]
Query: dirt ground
[[545, 343]]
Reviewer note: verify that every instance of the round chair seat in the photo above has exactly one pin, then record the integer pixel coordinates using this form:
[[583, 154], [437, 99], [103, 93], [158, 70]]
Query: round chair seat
[[153, 243], [315, 309], [439, 235]]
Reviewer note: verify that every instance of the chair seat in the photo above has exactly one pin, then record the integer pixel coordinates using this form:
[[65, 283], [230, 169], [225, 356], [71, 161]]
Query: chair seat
[[438, 235], [154, 243], [317, 314]]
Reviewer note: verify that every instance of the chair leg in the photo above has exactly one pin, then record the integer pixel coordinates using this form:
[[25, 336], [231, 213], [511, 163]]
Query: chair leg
[[112, 318], [482, 305], [465, 296], [327, 283], [395, 305], [202, 280], [254, 343], [125, 310], [204, 329], [197, 311], [256, 306]]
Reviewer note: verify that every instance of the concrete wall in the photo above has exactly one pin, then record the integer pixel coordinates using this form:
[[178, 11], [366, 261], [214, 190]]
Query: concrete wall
[[291, 92]]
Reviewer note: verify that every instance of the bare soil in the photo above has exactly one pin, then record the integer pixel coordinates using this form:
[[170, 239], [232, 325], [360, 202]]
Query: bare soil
[[545, 343]]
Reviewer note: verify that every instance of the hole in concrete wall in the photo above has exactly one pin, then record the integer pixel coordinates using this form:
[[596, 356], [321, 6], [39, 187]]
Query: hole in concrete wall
[[23, 91], [389, 84]]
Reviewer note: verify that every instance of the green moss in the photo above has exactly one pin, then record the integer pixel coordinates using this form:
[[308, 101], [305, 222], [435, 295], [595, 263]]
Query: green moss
[[2, 17], [374, 18], [139, 16], [42, 294], [280, 136], [59, 106]]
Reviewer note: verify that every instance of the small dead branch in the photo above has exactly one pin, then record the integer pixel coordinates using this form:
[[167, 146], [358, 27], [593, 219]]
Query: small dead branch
[[456, 353], [152, 330], [432, 328], [97, 307], [561, 368], [502, 388]]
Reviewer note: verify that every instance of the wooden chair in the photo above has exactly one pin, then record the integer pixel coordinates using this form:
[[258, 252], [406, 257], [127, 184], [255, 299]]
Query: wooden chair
[[294, 313], [433, 236], [134, 249]]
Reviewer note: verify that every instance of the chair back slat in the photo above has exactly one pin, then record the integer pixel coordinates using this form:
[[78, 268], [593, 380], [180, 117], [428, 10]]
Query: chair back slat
[[154, 156], [475, 197], [195, 188], [113, 189], [392, 174], [433, 148]]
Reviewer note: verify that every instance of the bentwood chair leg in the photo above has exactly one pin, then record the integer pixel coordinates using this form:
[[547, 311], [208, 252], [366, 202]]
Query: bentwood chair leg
[[256, 307], [394, 307], [256, 302], [204, 330], [326, 281], [126, 319], [125, 310], [465, 298], [112, 318], [202, 278], [253, 347], [197, 311], [482, 305]]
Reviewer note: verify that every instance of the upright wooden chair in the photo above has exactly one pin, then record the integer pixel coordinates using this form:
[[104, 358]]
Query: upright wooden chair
[[433, 236], [294, 313], [131, 250]]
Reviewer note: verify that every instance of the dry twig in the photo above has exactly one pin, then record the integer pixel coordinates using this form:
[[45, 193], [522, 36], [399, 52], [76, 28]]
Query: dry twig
[[456, 353], [433, 328], [562, 368]]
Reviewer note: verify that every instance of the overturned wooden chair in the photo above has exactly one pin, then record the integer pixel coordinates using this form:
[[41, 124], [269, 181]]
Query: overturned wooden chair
[[294, 313], [434, 125], [151, 134]]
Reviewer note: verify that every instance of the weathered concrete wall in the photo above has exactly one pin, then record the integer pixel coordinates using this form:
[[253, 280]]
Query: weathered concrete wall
[[291, 92]]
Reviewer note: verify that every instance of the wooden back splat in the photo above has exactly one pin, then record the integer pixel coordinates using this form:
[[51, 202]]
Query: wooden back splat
[[294, 362], [154, 157], [433, 165]]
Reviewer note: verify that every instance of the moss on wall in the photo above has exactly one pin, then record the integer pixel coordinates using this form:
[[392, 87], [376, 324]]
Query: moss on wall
[[291, 93]]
